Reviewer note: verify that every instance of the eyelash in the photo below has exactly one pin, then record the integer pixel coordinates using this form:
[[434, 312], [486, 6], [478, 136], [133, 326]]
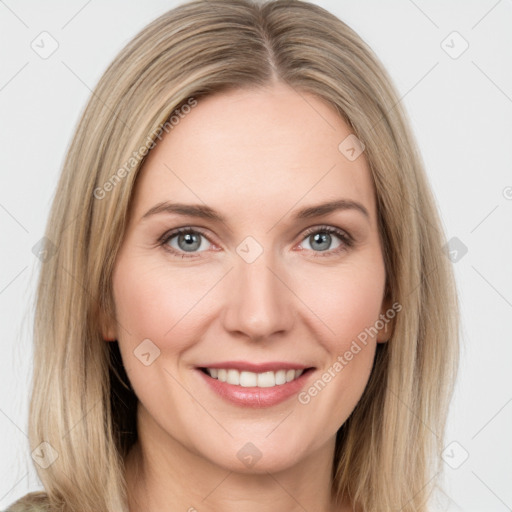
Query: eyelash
[[346, 239]]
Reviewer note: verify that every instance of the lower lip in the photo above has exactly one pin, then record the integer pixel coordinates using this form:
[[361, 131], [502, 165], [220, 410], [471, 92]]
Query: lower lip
[[254, 396]]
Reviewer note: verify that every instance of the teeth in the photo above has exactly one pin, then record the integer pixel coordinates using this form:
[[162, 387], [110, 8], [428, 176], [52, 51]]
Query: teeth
[[251, 379], [267, 379], [233, 377], [280, 377], [247, 379]]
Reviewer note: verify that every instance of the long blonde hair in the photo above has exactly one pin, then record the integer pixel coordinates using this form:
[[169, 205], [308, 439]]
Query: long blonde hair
[[388, 451]]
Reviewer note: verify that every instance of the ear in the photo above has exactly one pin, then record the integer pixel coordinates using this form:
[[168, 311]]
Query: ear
[[107, 326], [386, 322]]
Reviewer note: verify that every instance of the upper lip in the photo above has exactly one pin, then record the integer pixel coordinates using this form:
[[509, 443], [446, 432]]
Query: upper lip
[[273, 366]]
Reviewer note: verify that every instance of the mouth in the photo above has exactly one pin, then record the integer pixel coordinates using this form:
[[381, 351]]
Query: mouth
[[255, 386], [247, 379]]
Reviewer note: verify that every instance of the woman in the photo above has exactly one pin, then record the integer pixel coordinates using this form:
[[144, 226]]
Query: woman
[[249, 306]]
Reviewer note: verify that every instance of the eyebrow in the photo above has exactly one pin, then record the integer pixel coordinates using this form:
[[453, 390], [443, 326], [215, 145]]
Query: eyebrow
[[205, 212]]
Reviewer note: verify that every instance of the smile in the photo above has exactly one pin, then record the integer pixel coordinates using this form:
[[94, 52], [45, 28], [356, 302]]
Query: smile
[[248, 379], [246, 384]]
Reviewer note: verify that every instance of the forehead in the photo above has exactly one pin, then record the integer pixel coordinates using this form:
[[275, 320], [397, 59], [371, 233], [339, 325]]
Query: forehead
[[252, 149]]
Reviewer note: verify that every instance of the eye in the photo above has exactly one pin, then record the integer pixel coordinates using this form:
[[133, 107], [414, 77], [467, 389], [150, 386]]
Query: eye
[[189, 243], [185, 240], [320, 240]]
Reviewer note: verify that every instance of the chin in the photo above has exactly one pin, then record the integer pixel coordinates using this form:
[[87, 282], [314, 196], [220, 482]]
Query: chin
[[259, 456]]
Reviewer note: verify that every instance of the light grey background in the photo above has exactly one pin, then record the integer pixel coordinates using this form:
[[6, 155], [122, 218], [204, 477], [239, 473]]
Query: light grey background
[[461, 112]]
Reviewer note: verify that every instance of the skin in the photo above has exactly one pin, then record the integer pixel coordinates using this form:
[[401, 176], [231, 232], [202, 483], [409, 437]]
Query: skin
[[256, 156]]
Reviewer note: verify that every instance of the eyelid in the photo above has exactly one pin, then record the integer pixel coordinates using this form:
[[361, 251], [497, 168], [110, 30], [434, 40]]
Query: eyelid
[[184, 229]]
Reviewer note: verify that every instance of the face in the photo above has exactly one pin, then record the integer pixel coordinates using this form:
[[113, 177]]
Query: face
[[250, 280]]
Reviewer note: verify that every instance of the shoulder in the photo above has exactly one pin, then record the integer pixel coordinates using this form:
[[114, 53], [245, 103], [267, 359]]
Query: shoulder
[[32, 502]]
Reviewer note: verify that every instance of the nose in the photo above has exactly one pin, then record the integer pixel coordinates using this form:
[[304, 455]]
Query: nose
[[258, 303]]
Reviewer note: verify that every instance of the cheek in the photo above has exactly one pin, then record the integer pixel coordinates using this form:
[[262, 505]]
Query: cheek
[[349, 303], [154, 303], [348, 300]]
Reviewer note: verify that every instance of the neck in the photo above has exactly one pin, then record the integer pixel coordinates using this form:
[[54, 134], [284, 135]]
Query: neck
[[162, 474]]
